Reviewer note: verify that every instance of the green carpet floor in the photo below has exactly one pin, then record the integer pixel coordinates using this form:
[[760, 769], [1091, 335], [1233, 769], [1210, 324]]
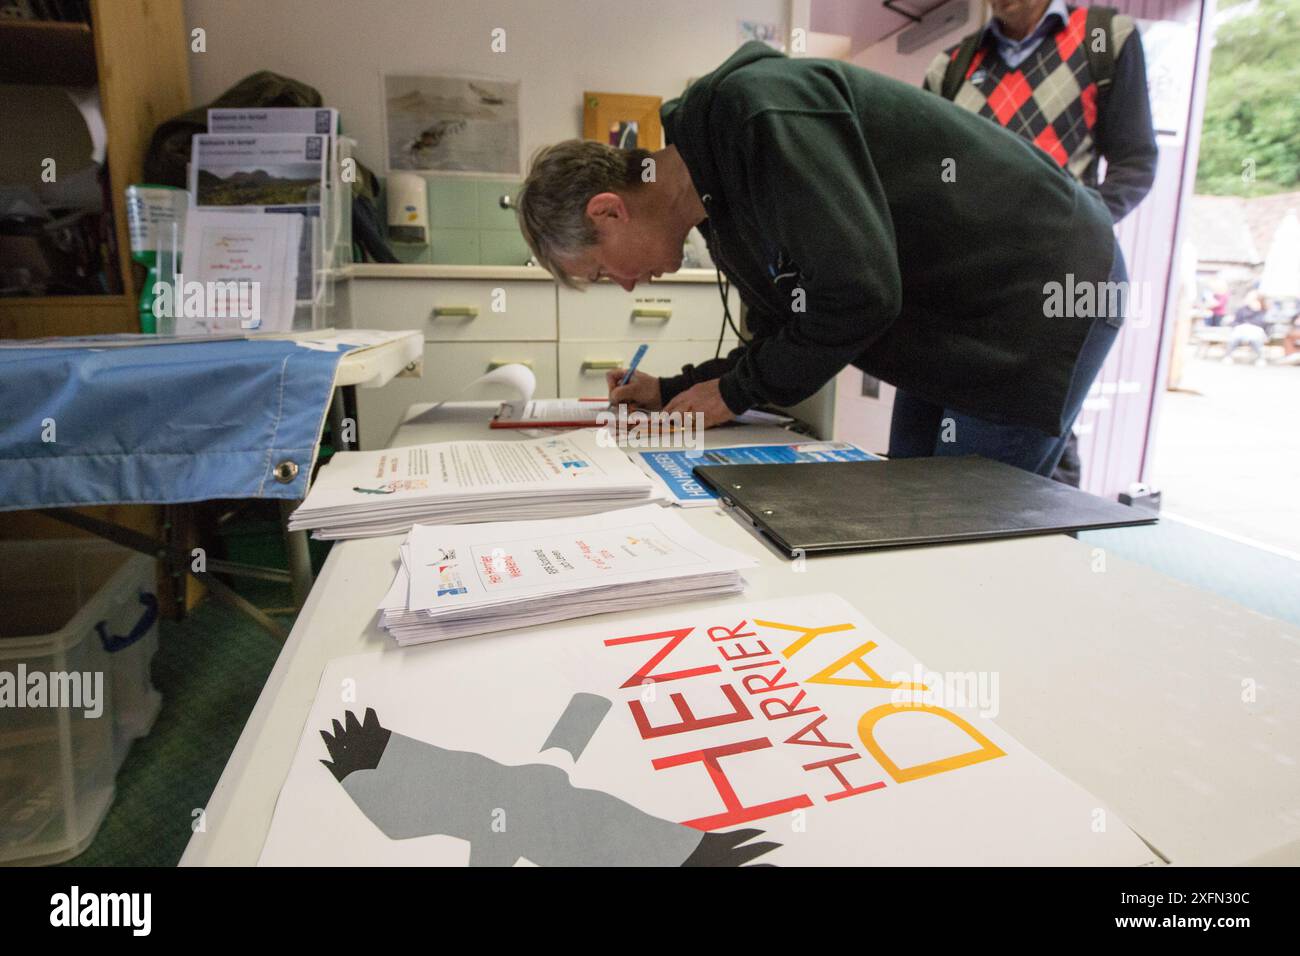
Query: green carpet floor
[[210, 668]]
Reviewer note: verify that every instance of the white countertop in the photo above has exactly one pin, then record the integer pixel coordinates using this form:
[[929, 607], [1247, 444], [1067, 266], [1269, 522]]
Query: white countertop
[[378, 355], [385, 270], [400, 355], [1132, 684]]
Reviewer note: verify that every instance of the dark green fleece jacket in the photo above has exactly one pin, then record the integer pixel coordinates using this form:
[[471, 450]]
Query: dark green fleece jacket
[[828, 208]]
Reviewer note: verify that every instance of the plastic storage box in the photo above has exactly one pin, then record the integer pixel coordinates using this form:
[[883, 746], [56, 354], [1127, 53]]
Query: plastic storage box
[[69, 606]]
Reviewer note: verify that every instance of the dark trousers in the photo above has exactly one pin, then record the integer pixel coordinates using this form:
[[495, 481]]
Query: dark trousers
[[924, 429]]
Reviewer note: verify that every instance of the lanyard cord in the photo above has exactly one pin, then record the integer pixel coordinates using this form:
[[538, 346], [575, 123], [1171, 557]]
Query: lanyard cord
[[723, 290]]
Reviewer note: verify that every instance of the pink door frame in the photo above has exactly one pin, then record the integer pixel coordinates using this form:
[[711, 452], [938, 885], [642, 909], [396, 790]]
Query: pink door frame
[[1118, 424]]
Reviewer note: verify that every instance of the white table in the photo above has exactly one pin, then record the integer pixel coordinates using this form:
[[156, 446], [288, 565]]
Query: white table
[[379, 356], [1124, 680]]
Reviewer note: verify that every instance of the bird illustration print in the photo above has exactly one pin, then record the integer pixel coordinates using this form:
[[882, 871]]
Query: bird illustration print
[[411, 788], [431, 138]]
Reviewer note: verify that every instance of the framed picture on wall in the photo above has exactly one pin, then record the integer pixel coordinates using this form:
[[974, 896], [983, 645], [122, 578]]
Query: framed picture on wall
[[622, 119], [768, 33], [451, 124]]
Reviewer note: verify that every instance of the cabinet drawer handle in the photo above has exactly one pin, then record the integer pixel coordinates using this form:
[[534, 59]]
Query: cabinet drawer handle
[[493, 366], [602, 365], [662, 314], [460, 311]]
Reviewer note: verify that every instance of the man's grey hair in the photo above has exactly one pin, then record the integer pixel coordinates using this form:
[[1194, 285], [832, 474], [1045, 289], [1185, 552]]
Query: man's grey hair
[[552, 205]]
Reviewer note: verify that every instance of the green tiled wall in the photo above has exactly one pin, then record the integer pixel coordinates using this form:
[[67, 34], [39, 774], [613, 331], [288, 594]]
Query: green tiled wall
[[467, 225]]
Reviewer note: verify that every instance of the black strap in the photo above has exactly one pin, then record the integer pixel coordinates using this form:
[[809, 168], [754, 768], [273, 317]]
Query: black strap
[[1101, 63], [955, 75]]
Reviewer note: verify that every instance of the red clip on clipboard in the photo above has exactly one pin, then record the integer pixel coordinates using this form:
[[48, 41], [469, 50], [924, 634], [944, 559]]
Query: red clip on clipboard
[[550, 413]]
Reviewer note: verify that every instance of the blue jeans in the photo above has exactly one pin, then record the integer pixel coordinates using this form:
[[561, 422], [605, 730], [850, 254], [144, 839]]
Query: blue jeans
[[922, 429]]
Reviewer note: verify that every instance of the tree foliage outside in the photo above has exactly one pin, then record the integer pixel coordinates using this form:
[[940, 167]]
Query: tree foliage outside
[[1250, 140]]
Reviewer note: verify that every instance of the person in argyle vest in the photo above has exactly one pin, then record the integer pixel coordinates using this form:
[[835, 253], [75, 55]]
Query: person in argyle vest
[[1072, 81]]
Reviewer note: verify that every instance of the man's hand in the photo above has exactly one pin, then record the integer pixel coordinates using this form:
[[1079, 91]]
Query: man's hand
[[641, 392], [706, 398]]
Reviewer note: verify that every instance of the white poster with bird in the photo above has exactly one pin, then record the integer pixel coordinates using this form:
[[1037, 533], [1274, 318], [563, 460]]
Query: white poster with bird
[[782, 732], [452, 124]]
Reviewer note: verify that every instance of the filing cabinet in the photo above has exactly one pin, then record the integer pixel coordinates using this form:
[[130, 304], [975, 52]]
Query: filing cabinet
[[583, 364], [474, 317]]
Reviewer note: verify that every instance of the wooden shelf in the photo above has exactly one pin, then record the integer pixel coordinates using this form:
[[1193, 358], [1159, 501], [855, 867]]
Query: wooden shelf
[[38, 316], [65, 301], [137, 56], [47, 53]]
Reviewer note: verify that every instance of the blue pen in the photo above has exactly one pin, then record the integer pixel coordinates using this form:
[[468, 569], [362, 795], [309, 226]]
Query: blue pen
[[636, 360]]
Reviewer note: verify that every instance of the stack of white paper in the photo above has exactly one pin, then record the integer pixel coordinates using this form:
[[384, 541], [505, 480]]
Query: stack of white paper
[[365, 493], [459, 580]]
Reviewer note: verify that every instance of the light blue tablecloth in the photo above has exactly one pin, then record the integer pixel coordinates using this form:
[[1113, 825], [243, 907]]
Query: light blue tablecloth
[[159, 423]]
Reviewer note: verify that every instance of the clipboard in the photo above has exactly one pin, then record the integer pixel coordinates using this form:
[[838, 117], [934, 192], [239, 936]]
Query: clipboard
[[827, 507], [519, 415]]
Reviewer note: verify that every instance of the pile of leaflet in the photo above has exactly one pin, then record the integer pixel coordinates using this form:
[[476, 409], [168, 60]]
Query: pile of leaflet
[[365, 493], [460, 580]]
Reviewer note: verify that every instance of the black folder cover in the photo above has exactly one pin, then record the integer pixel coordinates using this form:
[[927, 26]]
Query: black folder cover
[[856, 505]]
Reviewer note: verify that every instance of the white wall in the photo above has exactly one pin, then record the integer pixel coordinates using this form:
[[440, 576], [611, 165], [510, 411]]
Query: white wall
[[557, 48]]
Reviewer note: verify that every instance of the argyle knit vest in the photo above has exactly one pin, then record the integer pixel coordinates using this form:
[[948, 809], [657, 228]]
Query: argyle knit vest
[[1050, 99]]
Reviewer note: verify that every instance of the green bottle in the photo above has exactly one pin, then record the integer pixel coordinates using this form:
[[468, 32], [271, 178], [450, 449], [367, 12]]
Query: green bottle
[[155, 218]]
